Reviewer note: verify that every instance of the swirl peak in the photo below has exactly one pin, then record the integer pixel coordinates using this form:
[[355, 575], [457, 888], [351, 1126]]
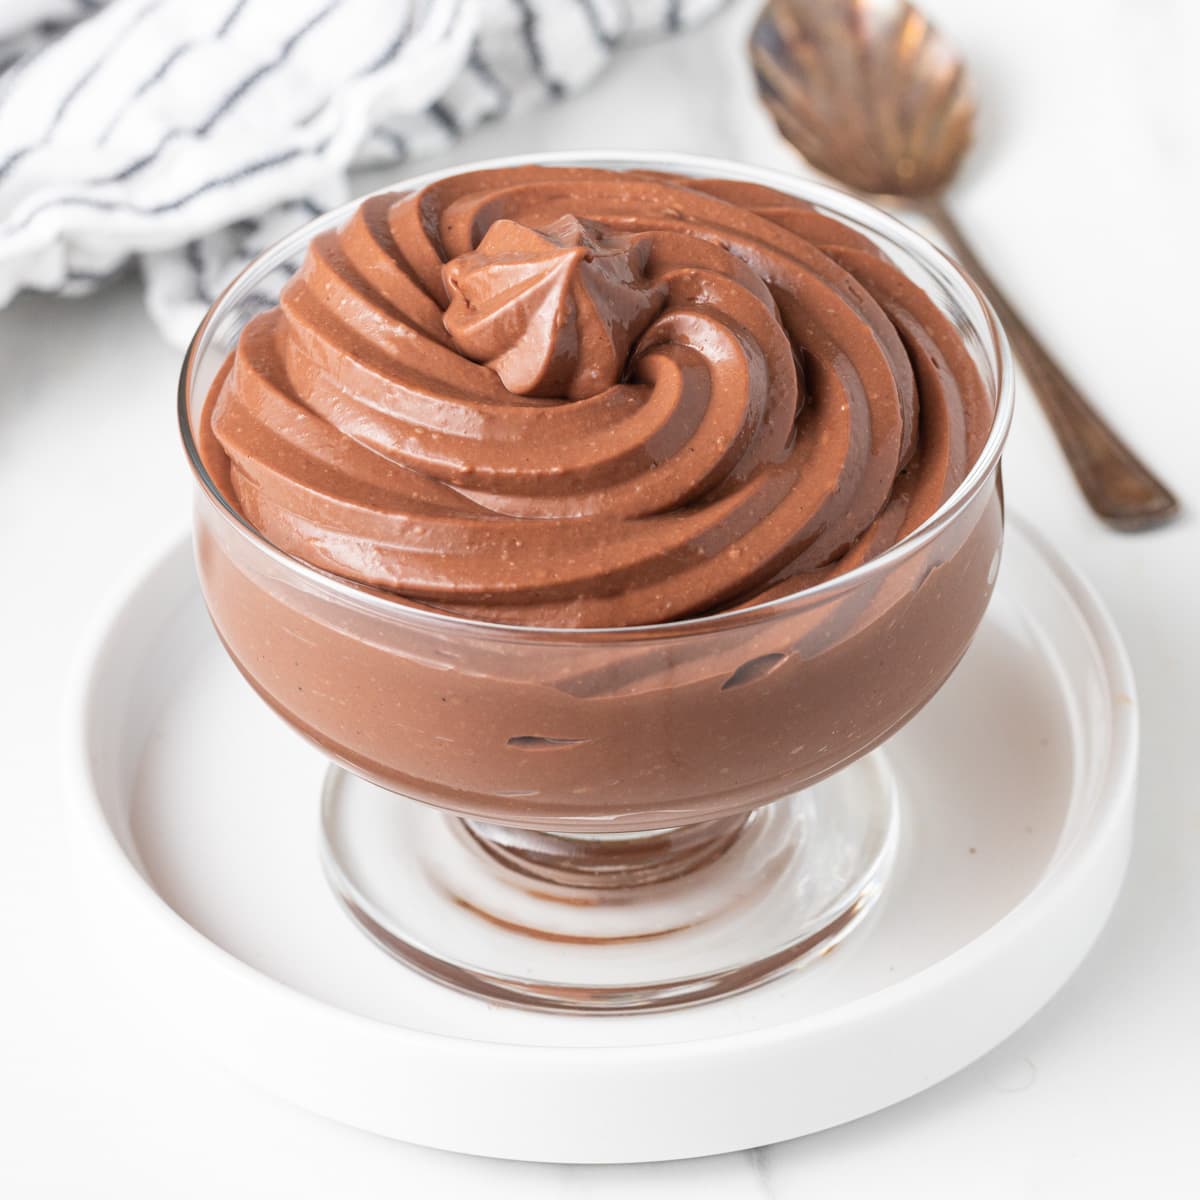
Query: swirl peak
[[554, 311]]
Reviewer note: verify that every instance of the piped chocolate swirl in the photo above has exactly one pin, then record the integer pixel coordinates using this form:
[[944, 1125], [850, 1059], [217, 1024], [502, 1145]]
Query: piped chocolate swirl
[[576, 397]]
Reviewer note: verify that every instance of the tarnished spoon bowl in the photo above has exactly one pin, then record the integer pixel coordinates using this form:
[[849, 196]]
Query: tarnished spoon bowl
[[872, 95]]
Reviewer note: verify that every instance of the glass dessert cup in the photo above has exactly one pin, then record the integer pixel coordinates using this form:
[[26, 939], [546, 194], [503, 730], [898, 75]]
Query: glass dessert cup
[[607, 820]]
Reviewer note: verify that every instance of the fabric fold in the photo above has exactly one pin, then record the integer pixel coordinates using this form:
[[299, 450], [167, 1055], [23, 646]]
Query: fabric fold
[[189, 136]]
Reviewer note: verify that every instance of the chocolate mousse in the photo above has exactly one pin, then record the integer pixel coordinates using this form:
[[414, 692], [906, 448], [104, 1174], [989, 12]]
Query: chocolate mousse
[[557, 400], [568, 397]]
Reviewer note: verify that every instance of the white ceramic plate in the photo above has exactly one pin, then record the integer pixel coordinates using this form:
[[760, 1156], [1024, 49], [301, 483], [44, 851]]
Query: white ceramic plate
[[197, 817]]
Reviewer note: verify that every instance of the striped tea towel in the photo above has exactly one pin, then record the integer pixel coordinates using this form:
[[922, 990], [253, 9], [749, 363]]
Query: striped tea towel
[[190, 134]]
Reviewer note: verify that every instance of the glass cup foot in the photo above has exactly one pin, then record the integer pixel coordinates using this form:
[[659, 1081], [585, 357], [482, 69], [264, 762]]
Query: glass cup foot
[[607, 923]]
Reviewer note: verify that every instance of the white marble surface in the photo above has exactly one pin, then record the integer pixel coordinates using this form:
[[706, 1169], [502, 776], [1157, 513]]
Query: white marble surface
[[1079, 194]]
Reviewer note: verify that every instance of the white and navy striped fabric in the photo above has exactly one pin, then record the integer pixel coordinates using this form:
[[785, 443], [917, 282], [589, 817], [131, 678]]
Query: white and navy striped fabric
[[189, 134]]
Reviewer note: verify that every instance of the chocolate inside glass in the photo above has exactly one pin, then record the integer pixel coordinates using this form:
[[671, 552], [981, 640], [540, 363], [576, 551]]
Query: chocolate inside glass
[[607, 505]]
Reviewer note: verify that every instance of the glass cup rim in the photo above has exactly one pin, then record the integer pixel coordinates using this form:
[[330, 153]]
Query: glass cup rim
[[836, 200]]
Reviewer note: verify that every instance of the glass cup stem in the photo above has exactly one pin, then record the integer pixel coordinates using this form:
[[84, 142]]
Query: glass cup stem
[[606, 860]]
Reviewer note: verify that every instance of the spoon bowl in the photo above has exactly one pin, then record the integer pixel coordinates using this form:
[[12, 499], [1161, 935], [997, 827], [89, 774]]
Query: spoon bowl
[[876, 99]]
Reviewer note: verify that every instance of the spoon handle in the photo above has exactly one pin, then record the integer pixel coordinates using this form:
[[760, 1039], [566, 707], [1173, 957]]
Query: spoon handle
[[1118, 486]]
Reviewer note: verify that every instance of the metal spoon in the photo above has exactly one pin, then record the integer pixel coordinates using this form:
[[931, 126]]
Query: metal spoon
[[873, 96]]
